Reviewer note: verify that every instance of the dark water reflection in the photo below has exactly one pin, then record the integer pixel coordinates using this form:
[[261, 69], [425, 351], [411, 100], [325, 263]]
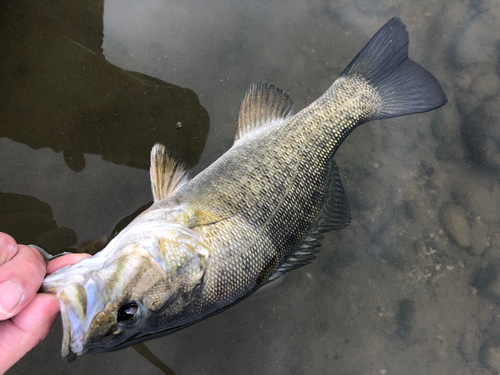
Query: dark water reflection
[[61, 94], [410, 287]]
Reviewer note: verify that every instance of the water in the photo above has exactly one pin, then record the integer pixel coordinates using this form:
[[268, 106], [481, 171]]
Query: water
[[410, 287]]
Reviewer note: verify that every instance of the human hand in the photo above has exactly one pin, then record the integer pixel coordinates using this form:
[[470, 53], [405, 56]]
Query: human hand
[[25, 315]]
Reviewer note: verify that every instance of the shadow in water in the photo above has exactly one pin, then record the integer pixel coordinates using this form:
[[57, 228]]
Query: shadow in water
[[94, 246], [147, 354], [58, 91], [30, 221]]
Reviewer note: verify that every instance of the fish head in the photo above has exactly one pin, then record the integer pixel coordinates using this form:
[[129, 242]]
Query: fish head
[[138, 286]]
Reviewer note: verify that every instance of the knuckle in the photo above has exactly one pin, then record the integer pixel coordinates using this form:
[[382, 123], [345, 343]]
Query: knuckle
[[8, 248]]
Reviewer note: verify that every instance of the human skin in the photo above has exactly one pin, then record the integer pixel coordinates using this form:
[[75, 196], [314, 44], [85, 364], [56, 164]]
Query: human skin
[[25, 315]]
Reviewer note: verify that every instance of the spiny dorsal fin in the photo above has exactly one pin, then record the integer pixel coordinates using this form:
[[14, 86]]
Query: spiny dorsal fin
[[335, 214], [263, 103], [167, 175]]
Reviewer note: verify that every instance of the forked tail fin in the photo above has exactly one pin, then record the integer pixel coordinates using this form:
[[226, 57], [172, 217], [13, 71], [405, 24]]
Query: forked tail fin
[[403, 85]]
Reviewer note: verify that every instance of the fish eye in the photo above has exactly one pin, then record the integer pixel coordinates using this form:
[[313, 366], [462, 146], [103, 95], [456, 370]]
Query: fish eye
[[127, 312]]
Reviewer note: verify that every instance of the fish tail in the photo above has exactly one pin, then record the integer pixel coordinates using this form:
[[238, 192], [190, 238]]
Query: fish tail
[[403, 86]]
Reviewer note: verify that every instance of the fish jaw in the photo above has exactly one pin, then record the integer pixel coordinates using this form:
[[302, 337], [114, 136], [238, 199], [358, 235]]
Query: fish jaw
[[80, 297], [75, 318]]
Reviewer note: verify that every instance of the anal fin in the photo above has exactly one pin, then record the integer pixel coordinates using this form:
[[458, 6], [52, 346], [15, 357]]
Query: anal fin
[[334, 215]]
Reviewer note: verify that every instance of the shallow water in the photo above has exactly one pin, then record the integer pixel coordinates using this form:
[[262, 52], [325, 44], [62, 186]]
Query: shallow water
[[410, 287]]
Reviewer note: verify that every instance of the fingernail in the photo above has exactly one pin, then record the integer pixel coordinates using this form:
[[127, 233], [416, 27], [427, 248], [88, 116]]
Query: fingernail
[[11, 294]]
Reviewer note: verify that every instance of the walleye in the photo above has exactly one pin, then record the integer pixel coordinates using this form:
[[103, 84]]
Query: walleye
[[254, 214]]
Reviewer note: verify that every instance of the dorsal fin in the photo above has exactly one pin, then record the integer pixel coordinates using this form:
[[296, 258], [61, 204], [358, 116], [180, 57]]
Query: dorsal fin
[[263, 103], [167, 175], [335, 214]]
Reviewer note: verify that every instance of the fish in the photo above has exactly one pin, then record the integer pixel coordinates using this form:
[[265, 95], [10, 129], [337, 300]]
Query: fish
[[257, 212]]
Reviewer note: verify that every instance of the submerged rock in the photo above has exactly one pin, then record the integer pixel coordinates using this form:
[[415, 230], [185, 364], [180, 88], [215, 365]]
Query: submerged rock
[[455, 224]]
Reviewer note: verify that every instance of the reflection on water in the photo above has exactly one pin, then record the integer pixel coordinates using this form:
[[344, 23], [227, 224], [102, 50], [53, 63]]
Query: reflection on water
[[410, 287]]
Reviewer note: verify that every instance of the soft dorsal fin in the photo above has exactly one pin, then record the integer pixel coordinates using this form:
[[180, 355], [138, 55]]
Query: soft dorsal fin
[[263, 103], [335, 214], [167, 175]]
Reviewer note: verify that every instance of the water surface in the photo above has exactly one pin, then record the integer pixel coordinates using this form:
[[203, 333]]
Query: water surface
[[410, 287]]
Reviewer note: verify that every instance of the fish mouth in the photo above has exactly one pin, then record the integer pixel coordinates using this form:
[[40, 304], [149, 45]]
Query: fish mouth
[[81, 298], [72, 303], [78, 304]]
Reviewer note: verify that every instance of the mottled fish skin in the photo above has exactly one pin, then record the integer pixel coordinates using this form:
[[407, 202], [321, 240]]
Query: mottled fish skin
[[255, 213]]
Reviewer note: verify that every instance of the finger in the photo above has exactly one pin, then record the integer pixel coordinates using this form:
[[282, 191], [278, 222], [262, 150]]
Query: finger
[[8, 248], [21, 333], [20, 279], [64, 261]]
